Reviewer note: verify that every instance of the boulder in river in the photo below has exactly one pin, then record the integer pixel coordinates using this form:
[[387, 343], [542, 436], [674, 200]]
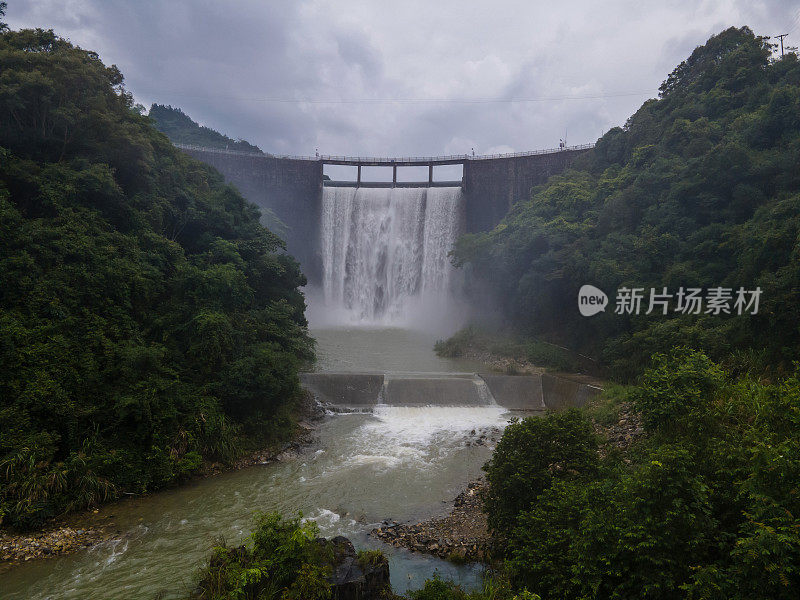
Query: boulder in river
[[356, 576]]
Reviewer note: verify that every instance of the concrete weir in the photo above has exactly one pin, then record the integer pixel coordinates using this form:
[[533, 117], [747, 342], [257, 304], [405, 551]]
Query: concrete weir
[[439, 390], [360, 391], [347, 390], [516, 392]]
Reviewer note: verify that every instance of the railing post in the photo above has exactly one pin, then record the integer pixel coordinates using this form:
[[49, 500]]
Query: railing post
[[394, 174], [430, 174], [358, 182]]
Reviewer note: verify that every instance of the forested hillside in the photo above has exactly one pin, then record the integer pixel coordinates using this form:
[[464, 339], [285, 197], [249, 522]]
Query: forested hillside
[[699, 499], [147, 319], [699, 189], [181, 129], [702, 504]]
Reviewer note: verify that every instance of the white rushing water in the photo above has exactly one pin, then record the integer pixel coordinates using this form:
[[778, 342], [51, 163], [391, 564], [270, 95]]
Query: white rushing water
[[420, 437], [385, 254], [400, 462]]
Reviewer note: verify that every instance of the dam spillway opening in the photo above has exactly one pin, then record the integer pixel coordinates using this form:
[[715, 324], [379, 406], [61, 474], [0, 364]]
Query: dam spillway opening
[[385, 255]]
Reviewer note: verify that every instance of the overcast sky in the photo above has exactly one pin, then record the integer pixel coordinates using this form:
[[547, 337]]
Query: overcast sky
[[400, 78]]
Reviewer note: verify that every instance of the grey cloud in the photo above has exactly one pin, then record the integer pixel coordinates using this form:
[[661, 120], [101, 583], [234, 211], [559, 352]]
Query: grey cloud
[[225, 64], [355, 48]]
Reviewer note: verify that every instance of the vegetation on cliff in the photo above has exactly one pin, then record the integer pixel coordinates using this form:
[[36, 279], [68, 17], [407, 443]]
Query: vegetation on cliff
[[283, 560], [147, 320], [705, 505], [286, 559], [181, 129], [699, 189]]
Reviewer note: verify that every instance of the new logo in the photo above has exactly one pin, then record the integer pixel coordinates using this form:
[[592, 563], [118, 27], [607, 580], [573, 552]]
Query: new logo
[[591, 300]]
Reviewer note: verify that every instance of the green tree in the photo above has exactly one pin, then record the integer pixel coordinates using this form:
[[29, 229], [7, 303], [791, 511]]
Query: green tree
[[147, 320], [181, 129], [531, 455], [698, 189], [283, 560], [704, 506]]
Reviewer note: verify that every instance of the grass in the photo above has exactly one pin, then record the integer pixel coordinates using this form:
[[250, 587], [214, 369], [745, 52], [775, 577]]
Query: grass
[[604, 408], [534, 351], [370, 558]]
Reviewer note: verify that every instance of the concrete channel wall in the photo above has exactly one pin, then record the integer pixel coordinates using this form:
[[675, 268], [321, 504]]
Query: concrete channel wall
[[360, 391]]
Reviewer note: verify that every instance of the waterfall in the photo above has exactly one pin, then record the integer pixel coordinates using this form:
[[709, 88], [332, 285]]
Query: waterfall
[[384, 251]]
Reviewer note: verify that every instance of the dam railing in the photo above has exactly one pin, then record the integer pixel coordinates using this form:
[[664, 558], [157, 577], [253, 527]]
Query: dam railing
[[386, 161]]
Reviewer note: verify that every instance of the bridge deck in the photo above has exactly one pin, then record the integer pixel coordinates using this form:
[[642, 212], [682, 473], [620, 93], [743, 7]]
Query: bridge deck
[[378, 161], [390, 184]]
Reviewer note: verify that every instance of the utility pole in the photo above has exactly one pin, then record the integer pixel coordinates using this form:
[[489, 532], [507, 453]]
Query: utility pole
[[781, 36]]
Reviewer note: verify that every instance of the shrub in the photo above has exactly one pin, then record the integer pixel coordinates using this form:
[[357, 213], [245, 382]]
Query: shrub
[[283, 560], [678, 386], [370, 558], [707, 507], [530, 455], [495, 586], [634, 533]]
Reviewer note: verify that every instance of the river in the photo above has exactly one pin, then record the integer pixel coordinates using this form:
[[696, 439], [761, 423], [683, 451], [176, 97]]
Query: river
[[402, 463]]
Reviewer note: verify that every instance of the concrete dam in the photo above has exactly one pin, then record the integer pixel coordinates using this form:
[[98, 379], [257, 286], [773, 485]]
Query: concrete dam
[[296, 191]]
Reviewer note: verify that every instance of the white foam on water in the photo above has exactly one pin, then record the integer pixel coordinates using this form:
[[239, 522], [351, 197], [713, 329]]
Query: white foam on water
[[331, 523], [416, 436]]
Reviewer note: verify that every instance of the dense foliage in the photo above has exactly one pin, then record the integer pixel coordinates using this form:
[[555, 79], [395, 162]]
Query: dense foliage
[[181, 129], [530, 456], [700, 189], [705, 506], [493, 588], [283, 560], [147, 320]]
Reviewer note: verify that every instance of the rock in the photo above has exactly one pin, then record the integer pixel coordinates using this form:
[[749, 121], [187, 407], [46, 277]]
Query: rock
[[462, 535], [352, 580], [460, 553], [52, 541]]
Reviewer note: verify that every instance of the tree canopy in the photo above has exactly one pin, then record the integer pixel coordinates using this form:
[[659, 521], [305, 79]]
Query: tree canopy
[[704, 504], [147, 320], [700, 189], [181, 129]]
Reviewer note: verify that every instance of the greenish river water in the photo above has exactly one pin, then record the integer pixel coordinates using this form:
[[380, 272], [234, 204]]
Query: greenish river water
[[402, 463]]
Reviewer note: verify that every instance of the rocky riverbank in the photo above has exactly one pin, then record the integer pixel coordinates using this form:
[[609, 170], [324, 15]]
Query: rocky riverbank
[[502, 364], [83, 530], [461, 536], [303, 437], [52, 541]]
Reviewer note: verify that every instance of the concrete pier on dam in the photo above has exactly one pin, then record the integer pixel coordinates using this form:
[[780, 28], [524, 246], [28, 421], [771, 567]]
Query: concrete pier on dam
[[529, 393], [291, 186]]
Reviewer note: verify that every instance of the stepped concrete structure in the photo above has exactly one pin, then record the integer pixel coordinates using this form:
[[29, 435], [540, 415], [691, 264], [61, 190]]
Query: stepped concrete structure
[[528, 393]]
